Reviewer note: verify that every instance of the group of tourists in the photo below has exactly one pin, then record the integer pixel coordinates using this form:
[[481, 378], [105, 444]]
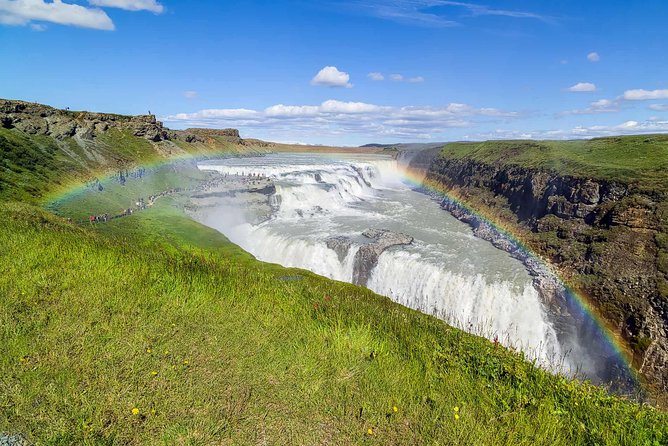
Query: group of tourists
[[140, 205], [98, 218], [124, 175]]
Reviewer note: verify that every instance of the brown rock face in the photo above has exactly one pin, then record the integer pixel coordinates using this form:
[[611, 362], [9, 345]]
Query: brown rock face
[[608, 237], [37, 119], [231, 135]]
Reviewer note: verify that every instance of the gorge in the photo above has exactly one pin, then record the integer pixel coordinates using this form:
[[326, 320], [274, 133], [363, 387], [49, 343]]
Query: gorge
[[356, 218]]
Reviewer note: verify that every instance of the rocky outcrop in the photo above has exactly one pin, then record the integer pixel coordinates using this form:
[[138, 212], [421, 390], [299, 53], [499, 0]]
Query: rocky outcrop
[[38, 119], [376, 241], [227, 134], [605, 236], [367, 255], [340, 245]]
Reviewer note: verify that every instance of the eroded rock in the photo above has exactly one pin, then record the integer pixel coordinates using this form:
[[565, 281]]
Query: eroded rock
[[367, 255]]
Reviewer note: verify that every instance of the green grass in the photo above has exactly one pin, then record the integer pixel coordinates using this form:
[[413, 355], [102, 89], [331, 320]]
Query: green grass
[[34, 168], [244, 356], [158, 313], [638, 160]]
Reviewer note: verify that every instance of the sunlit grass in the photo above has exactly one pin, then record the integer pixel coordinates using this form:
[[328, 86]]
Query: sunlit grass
[[152, 329], [110, 338], [640, 160]]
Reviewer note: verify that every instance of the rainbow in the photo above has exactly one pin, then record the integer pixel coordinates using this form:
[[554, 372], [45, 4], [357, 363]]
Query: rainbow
[[577, 301], [79, 186]]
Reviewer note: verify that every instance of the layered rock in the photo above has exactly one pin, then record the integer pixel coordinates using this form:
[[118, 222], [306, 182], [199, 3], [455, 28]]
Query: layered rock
[[367, 255], [604, 235], [231, 135], [38, 119]]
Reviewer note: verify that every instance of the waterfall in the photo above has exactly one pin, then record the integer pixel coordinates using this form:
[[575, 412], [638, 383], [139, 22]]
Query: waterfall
[[445, 272]]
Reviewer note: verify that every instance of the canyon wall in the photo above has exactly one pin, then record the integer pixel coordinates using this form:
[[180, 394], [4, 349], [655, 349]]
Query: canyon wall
[[607, 238]]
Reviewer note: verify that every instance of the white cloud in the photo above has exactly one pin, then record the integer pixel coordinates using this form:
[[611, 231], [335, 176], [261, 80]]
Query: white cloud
[[330, 76], [582, 87], [375, 76], [580, 132], [401, 78], [281, 110], [216, 114], [131, 5], [596, 107], [593, 57], [190, 94], [333, 106], [335, 118], [37, 27], [645, 95], [22, 12], [434, 13], [659, 107]]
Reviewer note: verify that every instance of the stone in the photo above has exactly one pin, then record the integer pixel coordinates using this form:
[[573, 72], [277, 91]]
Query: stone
[[367, 255]]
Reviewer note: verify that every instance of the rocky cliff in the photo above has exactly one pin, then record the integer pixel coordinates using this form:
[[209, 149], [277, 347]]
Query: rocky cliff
[[38, 119], [608, 238], [44, 148]]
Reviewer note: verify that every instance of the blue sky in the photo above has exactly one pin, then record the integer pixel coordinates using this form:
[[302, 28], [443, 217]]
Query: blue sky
[[349, 72]]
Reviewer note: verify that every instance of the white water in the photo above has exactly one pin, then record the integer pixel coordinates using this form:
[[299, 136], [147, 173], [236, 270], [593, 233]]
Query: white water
[[446, 272]]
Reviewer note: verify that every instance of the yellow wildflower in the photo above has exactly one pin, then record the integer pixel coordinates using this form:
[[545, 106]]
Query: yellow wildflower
[[154, 373], [148, 350], [394, 408], [185, 362], [456, 409], [135, 411], [369, 431], [152, 411], [456, 416]]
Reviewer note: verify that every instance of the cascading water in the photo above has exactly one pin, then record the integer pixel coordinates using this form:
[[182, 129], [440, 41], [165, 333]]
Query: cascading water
[[445, 271]]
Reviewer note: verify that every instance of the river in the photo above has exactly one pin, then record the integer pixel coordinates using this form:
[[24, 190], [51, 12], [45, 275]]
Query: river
[[446, 271]]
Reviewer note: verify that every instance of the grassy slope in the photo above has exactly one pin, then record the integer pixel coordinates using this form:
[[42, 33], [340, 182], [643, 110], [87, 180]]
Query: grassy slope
[[34, 167], [639, 160], [243, 353]]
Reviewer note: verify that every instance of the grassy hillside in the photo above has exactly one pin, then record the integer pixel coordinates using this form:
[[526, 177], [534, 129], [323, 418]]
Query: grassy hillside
[[641, 160], [153, 329], [118, 339], [34, 166]]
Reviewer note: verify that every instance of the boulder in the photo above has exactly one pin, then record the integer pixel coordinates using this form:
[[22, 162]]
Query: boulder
[[367, 255]]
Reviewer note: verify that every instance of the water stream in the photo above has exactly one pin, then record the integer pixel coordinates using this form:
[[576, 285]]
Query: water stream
[[446, 271]]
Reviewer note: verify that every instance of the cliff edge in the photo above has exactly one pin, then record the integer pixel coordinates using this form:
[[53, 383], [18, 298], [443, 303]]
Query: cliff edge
[[596, 210]]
